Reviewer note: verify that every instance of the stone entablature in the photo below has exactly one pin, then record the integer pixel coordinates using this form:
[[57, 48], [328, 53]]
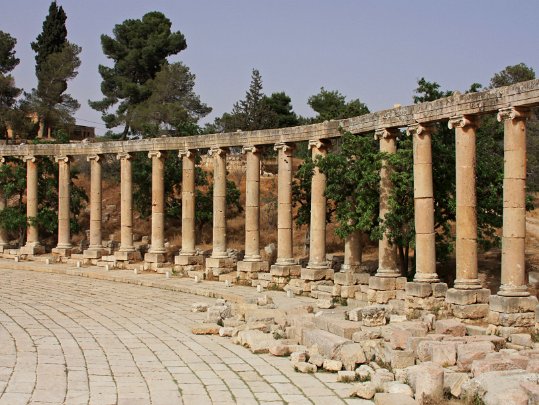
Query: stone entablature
[[521, 94]]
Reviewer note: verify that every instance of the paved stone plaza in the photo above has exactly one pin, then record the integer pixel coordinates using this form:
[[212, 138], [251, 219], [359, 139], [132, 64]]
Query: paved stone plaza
[[75, 340]]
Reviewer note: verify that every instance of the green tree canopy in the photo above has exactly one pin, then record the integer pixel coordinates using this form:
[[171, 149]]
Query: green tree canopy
[[53, 35], [173, 104], [139, 49], [8, 91], [331, 105], [511, 75]]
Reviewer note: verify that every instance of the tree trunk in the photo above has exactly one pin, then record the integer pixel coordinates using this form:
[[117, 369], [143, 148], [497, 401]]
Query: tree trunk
[[406, 259], [125, 132]]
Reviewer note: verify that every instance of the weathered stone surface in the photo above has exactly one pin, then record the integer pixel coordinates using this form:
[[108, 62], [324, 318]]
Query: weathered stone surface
[[367, 333], [328, 344], [380, 377], [427, 381], [382, 283], [453, 382], [216, 313], [511, 305], [303, 367], [199, 307], [521, 339], [393, 399], [299, 357], [280, 350], [373, 315], [402, 331], [206, 330], [365, 390], [226, 331], [421, 290], [332, 365], [256, 340], [470, 311], [395, 387], [355, 314], [402, 359], [351, 355], [452, 327], [364, 372], [479, 367], [467, 353], [346, 376], [466, 297], [317, 360], [444, 353]]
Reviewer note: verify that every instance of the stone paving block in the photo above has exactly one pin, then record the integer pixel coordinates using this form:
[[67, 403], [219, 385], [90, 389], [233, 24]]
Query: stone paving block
[[452, 327]]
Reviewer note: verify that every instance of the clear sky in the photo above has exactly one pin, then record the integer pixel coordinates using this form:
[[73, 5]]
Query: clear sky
[[372, 50]]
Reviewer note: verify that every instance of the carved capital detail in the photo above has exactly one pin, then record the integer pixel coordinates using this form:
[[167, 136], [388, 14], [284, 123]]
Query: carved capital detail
[[512, 113], [384, 133], [155, 154], [286, 147], [2, 159], [318, 144], [418, 129], [123, 156], [249, 148], [185, 152], [217, 151], [89, 158], [462, 121], [62, 159], [30, 158]]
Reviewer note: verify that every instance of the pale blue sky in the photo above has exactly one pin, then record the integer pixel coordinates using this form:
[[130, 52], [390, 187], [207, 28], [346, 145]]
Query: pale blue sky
[[371, 50]]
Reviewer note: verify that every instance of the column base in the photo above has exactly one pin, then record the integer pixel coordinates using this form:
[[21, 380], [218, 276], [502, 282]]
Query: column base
[[217, 266], [95, 253], [471, 304], [32, 249], [155, 257], [514, 291], [285, 270], [512, 314], [353, 268], [252, 266], [127, 255], [62, 251], [188, 260], [317, 274], [425, 297], [387, 273], [426, 278], [465, 284]]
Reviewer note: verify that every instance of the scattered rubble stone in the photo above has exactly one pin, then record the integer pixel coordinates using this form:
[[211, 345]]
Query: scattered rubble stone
[[351, 355], [452, 327], [365, 390], [299, 357], [346, 376], [427, 381], [199, 307], [304, 367], [393, 399], [206, 330], [373, 315], [395, 387], [331, 365]]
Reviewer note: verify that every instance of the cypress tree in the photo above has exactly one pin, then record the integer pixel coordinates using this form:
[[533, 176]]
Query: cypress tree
[[53, 37]]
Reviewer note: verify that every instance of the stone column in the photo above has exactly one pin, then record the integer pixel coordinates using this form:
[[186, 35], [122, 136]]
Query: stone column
[[352, 252], [466, 223], [387, 252], [156, 253], [425, 244], [468, 300], [383, 285], [188, 254], [64, 186], [127, 250], [32, 237], [317, 250], [512, 310], [3, 204], [219, 262], [95, 249], [252, 262], [285, 266]]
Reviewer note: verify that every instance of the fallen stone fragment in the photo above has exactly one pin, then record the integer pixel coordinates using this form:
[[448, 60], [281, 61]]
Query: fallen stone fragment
[[206, 330], [317, 360], [453, 382], [280, 350], [364, 373], [427, 381], [299, 357], [373, 315], [479, 367], [467, 353], [199, 307], [331, 365], [304, 367], [393, 399], [452, 327], [351, 355], [324, 303], [395, 387], [365, 390], [346, 376], [380, 377], [444, 353], [226, 332]]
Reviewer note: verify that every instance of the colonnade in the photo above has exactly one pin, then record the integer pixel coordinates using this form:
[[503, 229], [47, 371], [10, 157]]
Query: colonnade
[[467, 291]]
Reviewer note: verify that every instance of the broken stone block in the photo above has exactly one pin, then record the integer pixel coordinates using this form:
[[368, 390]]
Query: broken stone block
[[452, 327], [351, 355], [216, 313], [479, 367], [280, 350], [199, 307], [395, 387], [364, 372], [401, 359], [453, 382], [346, 376], [331, 365], [316, 359], [324, 303], [420, 290], [299, 357], [499, 387], [380, 377], [467, 353], [521, 339], [382, 283], [365, 390], [470, 311], [403, 331], [226, 332], [355, 314], [373, 315], [303, 367], [444, 353], [427, 381]]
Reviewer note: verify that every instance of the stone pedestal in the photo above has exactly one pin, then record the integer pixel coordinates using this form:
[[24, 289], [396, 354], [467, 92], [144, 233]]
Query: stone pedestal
[[283, 274], [216, 266], [127, 255], [511, 315], [384, 289], [426, 297], [469, 304]]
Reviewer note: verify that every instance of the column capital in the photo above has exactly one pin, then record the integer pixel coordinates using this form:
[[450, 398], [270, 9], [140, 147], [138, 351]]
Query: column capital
[[284, 146], [123, 156], [216, 150], [384, 133], [185, 152], [318, 144], [155, 154], [250, 148], [97, 158], [513, 113], [30, 158], [462, 121], [418, 129], [62, 158], [2, 159]]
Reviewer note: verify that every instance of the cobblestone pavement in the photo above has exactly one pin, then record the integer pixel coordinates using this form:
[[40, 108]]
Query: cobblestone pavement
[[72, 340]]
